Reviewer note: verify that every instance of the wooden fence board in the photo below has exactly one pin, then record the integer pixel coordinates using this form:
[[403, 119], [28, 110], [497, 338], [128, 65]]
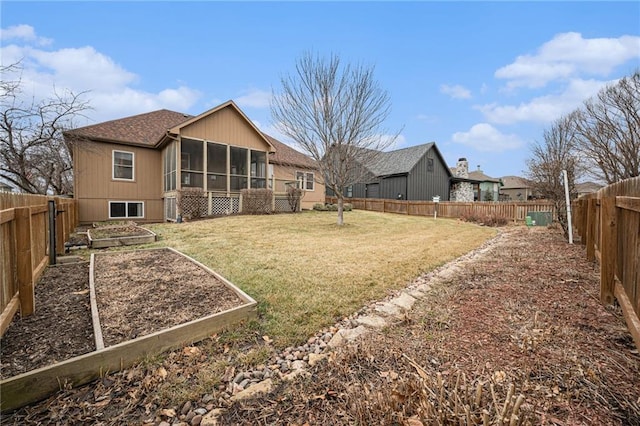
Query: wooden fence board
[[24, 239], [609, 225]]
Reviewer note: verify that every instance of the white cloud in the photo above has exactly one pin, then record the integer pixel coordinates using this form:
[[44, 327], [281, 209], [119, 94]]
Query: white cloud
[[569, 55], [485, 137], [23, 32], [110, 88], [456, 91], [544, 109], [254, 98]]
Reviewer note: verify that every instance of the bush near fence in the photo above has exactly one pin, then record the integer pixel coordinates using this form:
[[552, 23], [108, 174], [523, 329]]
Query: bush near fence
[[24, 247], [608, 223]]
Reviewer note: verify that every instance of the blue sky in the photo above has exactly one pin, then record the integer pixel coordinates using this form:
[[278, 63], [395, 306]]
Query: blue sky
[[481, 79]]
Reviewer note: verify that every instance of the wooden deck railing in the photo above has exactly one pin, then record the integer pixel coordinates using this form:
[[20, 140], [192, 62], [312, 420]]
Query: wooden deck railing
[[24, 247], [512, 211], [609, 225]]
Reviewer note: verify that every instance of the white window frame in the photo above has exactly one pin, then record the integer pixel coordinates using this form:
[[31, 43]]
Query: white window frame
[[113, 165], [126, 209], [302, 183]]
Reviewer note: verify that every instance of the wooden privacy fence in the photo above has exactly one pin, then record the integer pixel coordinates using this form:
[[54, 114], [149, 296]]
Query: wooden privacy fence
[[512, 211], [24, 247], [609, 225]]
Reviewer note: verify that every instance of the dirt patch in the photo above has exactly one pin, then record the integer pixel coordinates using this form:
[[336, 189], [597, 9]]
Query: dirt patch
[[140, 292], [137, 293], [130, 230], [59, 329]]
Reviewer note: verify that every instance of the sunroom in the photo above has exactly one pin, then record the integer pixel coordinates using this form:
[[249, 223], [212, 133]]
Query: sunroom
[[217, 170]]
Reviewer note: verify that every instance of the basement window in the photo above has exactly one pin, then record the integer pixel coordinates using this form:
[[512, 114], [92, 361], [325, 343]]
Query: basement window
[[126, 209]]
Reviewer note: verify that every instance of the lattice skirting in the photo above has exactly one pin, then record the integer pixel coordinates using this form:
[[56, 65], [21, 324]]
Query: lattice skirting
[[224, 205], [282, 205]]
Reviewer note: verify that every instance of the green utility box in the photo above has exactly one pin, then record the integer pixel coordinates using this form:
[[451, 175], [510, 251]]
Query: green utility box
[[541, 218]]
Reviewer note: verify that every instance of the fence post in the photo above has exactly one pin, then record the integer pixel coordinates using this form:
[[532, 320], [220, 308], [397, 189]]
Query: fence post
[[24, 269], [59, 229], [608, 248], [591, 224]]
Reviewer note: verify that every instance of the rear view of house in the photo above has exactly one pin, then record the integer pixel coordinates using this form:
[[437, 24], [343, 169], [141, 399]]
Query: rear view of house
[[137, 167]]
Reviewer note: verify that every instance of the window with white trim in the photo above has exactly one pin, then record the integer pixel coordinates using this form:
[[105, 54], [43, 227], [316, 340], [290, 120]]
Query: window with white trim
[[123, 165], [126, 209], [305, 180]]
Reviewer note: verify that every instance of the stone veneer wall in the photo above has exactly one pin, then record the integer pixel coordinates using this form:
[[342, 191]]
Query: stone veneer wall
[[462, 191]]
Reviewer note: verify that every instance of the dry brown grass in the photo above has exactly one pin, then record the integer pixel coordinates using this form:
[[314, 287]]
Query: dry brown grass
[[306, 272]]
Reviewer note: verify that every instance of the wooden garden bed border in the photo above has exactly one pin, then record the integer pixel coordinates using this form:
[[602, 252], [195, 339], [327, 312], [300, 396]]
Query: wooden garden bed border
[[38, 384], [121, 241]]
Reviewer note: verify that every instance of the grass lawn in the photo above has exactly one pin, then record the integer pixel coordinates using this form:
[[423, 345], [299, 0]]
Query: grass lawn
[[306, 272]]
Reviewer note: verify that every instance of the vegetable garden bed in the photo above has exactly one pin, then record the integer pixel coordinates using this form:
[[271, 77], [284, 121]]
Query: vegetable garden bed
[[149, 301]]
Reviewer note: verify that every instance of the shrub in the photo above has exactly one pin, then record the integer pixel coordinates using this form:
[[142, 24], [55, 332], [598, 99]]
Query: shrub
[[257, 201], [487, 220], [320, 207], [294, 195]]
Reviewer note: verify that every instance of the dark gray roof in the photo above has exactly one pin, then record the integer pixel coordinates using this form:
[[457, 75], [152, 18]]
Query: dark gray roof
[[399, 161]]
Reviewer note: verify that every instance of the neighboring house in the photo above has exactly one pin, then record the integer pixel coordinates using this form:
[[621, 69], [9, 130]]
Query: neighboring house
[[135, 167], [515, 188], [586, 188], [472, 186], [5, 188], [487, 188], [414, 173]]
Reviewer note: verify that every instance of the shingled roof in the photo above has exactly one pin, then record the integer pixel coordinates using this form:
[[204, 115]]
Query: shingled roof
[[142, 129], [399, 161], [287, 156]]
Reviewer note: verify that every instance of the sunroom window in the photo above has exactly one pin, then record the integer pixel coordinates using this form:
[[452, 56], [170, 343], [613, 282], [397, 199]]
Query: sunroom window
[[216, 167], [258, 169], [169, 161], [238, 168], [192, 163]]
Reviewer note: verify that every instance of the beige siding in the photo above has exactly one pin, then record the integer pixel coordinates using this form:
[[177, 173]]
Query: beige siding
[[95, 187], [226, 126], [283, 174]]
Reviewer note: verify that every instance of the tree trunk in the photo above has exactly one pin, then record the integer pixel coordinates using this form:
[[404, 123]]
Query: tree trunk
[[340, 210]]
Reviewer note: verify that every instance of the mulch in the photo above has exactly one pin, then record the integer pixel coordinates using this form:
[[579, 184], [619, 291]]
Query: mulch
[[60, 327]]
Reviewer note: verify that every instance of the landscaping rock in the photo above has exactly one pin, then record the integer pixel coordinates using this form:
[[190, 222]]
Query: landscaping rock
[[372, 321], [264, 386], [404, 301]]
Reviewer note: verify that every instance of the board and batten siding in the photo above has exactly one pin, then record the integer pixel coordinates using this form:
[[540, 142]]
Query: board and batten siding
[[423, 184], [94, 185], [392, 186], [226, 126]]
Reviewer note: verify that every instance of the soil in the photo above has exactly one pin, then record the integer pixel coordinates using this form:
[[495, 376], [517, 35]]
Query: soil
[[140, 292], [521, 316], [130, 230], [60, 327]]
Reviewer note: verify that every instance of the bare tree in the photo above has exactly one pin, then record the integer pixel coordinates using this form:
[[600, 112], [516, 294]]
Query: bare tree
[[608, 131], [334, 113], [555, 153], [33, 153]]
